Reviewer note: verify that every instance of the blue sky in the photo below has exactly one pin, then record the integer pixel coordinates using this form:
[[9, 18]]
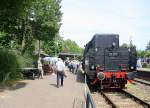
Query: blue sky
[[128, 18]]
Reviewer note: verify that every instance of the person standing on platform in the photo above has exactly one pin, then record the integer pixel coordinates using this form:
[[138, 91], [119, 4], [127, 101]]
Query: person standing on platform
[[60, 66], [40, 67]]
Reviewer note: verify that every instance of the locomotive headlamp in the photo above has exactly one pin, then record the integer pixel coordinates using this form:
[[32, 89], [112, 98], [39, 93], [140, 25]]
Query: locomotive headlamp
[[114, 44], [101, 76], [92, 67], [132, 67]]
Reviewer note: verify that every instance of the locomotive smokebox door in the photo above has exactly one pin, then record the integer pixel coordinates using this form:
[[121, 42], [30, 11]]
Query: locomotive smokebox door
[[101, 76]]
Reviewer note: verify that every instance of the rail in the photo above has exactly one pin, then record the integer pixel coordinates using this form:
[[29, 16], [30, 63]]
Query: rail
[[145, 104], [142, 82], [89, 101], [108, 100]]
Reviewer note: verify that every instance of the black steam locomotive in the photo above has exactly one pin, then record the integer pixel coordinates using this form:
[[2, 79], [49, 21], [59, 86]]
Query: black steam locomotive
[[106, 64]]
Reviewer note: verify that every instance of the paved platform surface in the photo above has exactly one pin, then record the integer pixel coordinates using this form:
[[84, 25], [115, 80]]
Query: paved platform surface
[[144, 69], [43, 93]]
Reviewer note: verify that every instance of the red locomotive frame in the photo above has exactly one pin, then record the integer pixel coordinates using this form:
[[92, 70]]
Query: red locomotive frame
[[119, 80]]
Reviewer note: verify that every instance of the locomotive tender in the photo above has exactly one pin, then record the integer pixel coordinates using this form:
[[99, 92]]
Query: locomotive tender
[[106, 64]]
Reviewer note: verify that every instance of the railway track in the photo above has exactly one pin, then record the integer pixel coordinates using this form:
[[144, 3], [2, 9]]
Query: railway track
[[122, 99], [135, 96], [141, 74], [142, 81], [139, 90], [118, 99]]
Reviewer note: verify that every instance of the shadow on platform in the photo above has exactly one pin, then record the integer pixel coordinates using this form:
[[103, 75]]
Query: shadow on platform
[[54, 85], [18, 85]]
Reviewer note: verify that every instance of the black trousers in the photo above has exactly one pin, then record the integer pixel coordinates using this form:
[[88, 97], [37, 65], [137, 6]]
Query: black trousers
[[60, 76]]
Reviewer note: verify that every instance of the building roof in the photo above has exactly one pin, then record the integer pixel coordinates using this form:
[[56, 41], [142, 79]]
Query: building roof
[[69, 54]]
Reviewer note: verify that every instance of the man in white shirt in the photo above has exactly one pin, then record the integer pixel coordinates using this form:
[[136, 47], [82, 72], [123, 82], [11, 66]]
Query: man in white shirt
[[60, 66]]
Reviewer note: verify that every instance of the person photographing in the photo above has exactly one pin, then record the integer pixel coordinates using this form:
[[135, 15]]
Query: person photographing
[[40, 67]]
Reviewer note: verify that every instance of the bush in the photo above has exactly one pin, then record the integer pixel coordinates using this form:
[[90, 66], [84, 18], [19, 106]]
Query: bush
[[9, 67], [145, 65], [148, 66], [25, 61]]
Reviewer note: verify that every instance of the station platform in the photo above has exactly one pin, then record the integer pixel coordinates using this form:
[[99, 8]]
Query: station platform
[[43, 93], [143, 69]]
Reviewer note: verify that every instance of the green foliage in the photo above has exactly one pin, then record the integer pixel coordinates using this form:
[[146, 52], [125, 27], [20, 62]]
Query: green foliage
[[25, 61], [147, 53], [141, 53], [148, 46], [12, 13], [14, 7], [24, 20], [9, 65], [72, 46], [4, 40], [46, 17], [58, 45], [125, 45], [2, 34], [54, 46], [49, 47], [145, 65], [22, 23]]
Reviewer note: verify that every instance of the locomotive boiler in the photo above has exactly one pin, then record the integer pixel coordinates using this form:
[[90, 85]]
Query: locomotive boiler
[[106, 64]]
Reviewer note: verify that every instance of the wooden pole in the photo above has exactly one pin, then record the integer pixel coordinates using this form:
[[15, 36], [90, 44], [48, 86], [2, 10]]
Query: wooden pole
[[39, 48]]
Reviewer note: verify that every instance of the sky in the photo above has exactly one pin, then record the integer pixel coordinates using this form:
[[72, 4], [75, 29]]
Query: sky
[[128, 18]]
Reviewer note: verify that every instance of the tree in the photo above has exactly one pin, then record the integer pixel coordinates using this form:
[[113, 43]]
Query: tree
[[55, 46], [148, 46], [58, 45], [23, 21], [11, 14], [141, 53], [46, 17], [125, 45], [14, 22], [73, 46], [147, 53]]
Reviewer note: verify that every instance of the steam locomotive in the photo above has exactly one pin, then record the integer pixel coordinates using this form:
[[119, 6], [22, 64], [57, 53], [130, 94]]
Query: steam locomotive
[[106, 64]]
